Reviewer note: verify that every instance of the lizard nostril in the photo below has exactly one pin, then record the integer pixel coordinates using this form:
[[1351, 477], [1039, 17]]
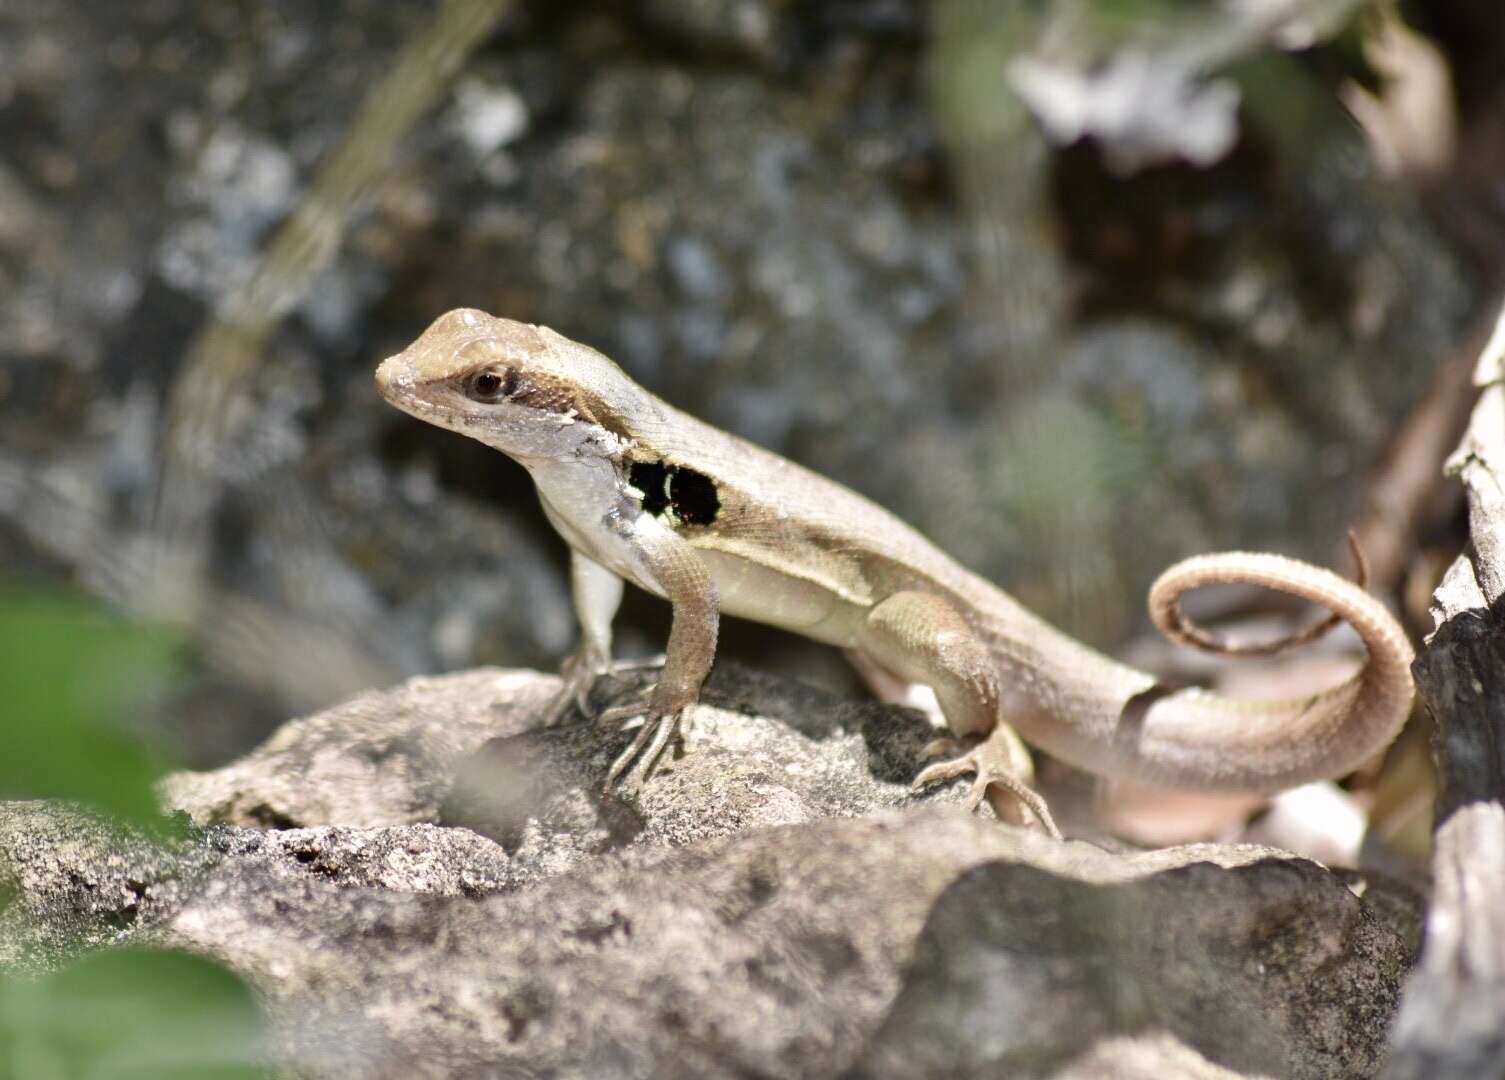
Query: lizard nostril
[[394, 375]]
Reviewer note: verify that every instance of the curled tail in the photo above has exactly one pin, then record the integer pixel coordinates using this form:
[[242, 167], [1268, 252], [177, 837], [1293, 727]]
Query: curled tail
[[1197, 739], [1165, 609]]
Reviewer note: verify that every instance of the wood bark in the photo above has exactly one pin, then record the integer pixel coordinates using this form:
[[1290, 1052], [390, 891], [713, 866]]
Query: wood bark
[[1452, 1016]]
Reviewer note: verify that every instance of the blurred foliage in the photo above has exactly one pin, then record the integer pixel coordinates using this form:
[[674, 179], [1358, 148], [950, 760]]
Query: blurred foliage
[[1293, 109], [1150, 80], [1061, 471], [73, 674], [969, 89], [131, 1015]]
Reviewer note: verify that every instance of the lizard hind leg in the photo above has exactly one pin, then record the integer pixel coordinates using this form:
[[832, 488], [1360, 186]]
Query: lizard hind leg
[[918, 637]]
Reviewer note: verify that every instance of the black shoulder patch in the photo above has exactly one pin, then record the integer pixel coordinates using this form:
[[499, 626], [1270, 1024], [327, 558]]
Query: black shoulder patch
[[693, 496], [686, 496], [652, 479]]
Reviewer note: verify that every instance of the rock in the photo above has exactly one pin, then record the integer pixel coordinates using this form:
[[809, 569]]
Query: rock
[[771, 903], [1017, 968], [759, 751], [802, 950], [384, 758], [407, 859], [75, 883]]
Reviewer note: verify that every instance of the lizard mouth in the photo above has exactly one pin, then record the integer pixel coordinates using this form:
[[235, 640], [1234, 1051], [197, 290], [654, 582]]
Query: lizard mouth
[[398, 381]]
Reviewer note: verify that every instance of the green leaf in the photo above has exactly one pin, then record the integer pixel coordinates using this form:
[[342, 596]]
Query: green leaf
[[132, 1015], [71, 676]]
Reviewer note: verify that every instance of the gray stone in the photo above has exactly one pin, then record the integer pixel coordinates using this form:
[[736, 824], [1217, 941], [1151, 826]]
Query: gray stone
[[771, 903], [462, 749], [1018, 968], [384, 758], [73, 882]]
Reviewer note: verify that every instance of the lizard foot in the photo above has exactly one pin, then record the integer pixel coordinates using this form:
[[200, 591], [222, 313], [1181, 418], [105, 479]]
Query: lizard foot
[[580, 672], [655, 735], [991, 767]]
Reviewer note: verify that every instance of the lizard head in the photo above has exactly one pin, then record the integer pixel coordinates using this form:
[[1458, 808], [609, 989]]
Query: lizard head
[[522, 389]]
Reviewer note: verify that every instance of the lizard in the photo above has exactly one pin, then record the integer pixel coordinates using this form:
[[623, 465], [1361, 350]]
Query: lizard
[[645, 493]]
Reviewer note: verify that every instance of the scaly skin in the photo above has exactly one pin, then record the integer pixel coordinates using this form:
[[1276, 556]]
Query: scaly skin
[[643, 492]]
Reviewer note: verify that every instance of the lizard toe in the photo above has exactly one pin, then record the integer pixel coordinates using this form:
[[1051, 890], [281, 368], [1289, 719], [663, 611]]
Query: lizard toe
[[944, 746], [990, 773], [647, 746]]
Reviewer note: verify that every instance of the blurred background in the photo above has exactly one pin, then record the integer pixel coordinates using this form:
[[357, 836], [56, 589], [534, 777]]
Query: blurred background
[[1077, 287]]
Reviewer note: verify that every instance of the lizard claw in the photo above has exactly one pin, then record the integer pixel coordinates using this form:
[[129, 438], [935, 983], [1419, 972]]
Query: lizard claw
[[944, 746], [654, 734], [989, 772], [579, 674], [655, 727]]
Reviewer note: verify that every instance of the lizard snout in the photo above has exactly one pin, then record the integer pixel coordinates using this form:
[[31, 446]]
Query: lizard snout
[[396, 376]]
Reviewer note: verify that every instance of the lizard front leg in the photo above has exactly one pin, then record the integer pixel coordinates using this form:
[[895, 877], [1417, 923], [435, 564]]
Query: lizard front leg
[[920, 637], [671, 564], [597, 593]]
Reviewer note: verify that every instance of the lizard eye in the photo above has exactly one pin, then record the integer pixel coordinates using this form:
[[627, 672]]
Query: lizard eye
[[489, 385]]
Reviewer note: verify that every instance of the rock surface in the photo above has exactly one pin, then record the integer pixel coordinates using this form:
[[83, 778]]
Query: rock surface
[[461, 749], [772, 903]]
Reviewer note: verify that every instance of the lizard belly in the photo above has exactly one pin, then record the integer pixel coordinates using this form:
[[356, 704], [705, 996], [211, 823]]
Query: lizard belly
[[766, 595]]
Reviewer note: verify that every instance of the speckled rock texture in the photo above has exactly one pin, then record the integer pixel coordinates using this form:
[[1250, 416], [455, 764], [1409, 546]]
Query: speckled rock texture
[[464, 749], [775, 902]]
